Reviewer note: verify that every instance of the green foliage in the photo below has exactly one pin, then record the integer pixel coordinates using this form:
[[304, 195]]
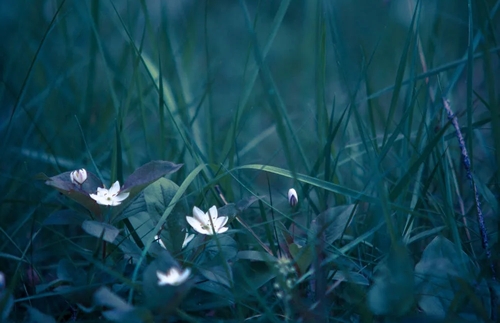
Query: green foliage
[[444, 275], [392, 291], [231, 104]]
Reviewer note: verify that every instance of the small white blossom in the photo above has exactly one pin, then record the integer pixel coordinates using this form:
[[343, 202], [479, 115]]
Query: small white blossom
[[187, 239], [78, 176], [207, 223], [173, 277], [158, 239], [292, 197], [110, 197]]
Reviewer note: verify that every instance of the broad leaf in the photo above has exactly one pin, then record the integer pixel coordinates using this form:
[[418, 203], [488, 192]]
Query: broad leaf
[[245, 203], [117, 310], [35, 316], [149, 173], [445, 272], [80, 194], [136, 315], [329, 225], [392, 290], [207, 294], [218, 274], [130, 250], [63, 182], [163, 298], [8, 303], [96, 229], [68, 272], [256, 256], [250, 276], [157, 197], [303, 256], [232, 209], [105, 297], [223, 249], [351, 277], [146, 210], [65, 217], [333, 222]]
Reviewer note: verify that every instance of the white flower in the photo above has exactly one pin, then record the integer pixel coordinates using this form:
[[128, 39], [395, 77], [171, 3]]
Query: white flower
[[292, 197], [207, 223], [187, 239], [78, 176], [111, 197], [173, 277], [158, 239]]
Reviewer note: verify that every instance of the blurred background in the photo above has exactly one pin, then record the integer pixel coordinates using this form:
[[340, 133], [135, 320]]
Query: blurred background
[[76, 62]]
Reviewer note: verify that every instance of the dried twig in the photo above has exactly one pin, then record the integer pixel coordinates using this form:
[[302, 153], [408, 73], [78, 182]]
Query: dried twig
[[480, 217]]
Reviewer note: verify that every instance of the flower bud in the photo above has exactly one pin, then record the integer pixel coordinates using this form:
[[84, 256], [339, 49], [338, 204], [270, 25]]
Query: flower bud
[[79, 176], [292, 197]]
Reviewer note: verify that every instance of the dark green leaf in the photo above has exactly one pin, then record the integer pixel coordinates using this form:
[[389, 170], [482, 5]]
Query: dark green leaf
[[68, 272], [35, 316], [105, 297], [228, 248], [352, 277], [129, 248], [149, 173], [250, 276], [303, 256], [438, 275], [146, 210], [256, 256], [65, 217], [230, 210], [7, 305], [245, 203], [218, 274], [392, 290], [63, 184], [208, 296], [97, 229], [334, 220]]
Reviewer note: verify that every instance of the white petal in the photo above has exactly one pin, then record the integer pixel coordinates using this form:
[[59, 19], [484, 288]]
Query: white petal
[[187, 239], [163, 279], [292, 197], [122, 196], [158, 239], [100, 199], [83, 174], [78, 176], [199, 215], [213, 213], [195, 224], [225, 220], [173, 277], [115, 188], [184, 276], [219, 223], [102, 191], [222, 230]]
